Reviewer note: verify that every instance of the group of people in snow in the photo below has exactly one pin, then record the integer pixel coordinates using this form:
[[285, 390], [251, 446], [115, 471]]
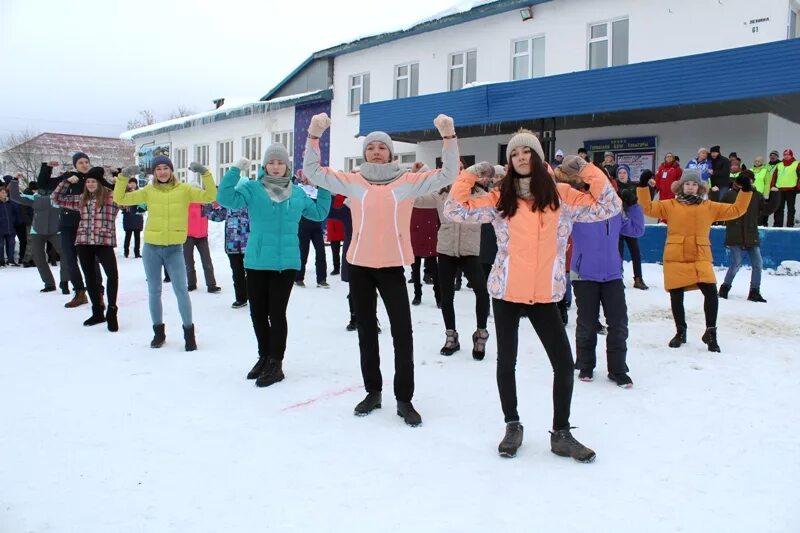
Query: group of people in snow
[[522, 235]]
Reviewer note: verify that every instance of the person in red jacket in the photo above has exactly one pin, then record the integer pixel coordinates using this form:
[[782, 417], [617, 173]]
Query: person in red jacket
[[424, 237], [197, 237], [335, 232], [668, 173]]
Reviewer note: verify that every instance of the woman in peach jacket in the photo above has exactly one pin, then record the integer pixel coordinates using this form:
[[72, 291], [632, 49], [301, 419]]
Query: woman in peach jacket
[[532, 217]]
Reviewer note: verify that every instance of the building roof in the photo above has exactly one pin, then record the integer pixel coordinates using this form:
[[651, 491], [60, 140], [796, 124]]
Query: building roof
[[67, 143], [673, 89], [229, 110], [462, 12]]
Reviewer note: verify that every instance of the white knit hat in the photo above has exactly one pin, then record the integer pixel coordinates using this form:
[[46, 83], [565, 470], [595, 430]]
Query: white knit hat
[[524, 138]]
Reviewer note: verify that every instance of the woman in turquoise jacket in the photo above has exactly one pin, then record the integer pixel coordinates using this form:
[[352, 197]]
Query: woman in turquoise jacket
[[272, 256]]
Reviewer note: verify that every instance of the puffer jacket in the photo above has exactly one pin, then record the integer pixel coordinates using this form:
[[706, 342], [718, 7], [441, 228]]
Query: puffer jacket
[[743, 231], [198, 221], [97, 227], [273, 243], [237, 226], [595, 255], [46, 216], [133, 218], [453, 239], [167, 206]]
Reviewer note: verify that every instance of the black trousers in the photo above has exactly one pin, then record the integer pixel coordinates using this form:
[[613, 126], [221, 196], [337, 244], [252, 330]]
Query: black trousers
[[547, 323], [449, 266], [636, 256], [312, 234], [91, 256], [391, 283], [787, 202], [137, 236], [710, 304], [336, 253], [269, 292], [589, 295], [70, 256], [416, 277], [22, 236], [239, 276]]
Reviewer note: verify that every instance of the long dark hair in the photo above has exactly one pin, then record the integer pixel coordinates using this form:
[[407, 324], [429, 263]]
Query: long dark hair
[[543, 188]]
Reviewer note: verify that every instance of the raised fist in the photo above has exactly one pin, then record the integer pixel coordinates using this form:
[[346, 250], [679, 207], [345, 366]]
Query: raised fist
[[445, 126], [572, 165], [197, 167], [243, 164], [319, 123], [131, 171]]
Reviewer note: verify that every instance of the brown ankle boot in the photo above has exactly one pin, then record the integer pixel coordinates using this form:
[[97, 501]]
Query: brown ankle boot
[[79, 299]]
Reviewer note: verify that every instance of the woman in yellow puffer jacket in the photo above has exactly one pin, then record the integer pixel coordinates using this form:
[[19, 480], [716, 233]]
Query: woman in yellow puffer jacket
[[167, 202]]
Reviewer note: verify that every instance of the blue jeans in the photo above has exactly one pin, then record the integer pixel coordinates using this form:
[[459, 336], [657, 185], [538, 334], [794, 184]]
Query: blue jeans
[[170, 258], [736, 262]]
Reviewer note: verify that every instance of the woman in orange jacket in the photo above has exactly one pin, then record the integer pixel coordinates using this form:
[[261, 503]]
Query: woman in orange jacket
[[532, 217], [687, 252]]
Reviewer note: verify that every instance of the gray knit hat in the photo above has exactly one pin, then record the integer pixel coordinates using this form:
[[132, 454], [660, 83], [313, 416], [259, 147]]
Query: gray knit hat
[[690, 174], [379, 136], [524, 138], [609, 154], [279, 152]]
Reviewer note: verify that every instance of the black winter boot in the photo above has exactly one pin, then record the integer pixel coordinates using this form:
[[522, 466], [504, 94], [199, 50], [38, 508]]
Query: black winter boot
[[409, 415], [724, 290], [710, 338], [111, 318], [98, 316], [188, 337], [368, 404], [417, 299], [511, 441], [755, 296], [272, 373], [257, 369], [563, 444], [679, 338], [64, 287], [159, 336], [351, 326]]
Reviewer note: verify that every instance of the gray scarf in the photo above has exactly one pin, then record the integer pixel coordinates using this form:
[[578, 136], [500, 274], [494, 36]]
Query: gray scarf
[[278, 188], [381, 173], [523, 187], [689, 199]]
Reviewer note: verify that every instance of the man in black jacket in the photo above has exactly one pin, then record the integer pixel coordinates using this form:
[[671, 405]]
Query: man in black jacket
[[720, 174], [741, 235]]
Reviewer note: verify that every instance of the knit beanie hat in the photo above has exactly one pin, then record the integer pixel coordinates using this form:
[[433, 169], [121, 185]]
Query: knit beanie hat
[[380, 137], [163, 160], [775, 153], [690, 174], [77, 156], [627, 169], [716, 149], [276, 151], [608, 154], [524, 138]]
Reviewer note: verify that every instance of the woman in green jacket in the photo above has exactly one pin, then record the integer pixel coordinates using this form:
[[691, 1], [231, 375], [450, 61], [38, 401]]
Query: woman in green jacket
[[167, 202]]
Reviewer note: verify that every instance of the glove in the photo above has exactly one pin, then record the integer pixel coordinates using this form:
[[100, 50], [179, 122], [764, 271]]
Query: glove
[[319, 123], [484, 170], [243, 164], [628, 197], [194, 166], [572, 165], [131, 171], [643, 183], [445, 126], [745, 183]]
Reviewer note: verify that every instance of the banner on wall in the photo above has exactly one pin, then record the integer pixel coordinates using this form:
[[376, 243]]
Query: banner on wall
[[638, 161], [639, 153], [146, 154]]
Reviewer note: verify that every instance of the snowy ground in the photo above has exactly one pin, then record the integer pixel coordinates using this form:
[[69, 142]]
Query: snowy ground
[[102, 434]]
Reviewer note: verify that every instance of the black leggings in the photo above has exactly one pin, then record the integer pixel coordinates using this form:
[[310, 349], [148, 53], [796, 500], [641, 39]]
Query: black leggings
[[336, 254], [471, 267], [239, 276], [416, 276], [90, 256], [269, 291], [547, 323], [137, 239], [636, 256], [710, 304]]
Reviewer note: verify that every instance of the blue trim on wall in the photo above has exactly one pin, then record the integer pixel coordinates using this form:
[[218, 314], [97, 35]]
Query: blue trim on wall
[[777, 244]]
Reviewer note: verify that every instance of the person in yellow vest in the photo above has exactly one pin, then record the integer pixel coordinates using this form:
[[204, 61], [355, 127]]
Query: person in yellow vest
[[774, 161], [785, 178], [762, 179]]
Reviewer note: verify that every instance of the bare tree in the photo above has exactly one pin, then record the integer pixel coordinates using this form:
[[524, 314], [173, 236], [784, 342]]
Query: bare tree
[[144, 118], [19, 154], [181, 111]]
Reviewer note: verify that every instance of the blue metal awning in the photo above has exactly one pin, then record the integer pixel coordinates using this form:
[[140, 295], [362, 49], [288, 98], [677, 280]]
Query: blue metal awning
[[752, 79]]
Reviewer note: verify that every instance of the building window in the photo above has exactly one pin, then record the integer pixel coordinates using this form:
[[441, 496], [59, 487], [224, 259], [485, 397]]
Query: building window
[[224, 157], [406, 159], [406, 80], [251, 149], [462, 69], [201, 154], [352, 163], [527, 58], [794, 23], [608, 44], [286, 138], [359, 91], [180, 162]]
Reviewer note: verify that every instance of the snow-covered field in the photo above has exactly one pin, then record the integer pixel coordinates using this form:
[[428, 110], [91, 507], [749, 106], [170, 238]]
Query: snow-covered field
[[102, 434]]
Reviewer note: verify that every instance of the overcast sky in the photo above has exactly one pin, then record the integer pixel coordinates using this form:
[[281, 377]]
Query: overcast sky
[[88, 66]]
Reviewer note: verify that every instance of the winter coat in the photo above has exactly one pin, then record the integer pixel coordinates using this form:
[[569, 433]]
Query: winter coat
[[46, 216], [455, 240], [335, 228], [687, 252], [611, 170], [47, 183], [133, 218], [722, 171], [273, 243], [381, 213], [665, 176], [423, 229], [167, 206], [743, 231], [595, 255], [96, 226], [237, 226], [340, 212], [198, 221], [702, 167], [531, 245], [10, 217]]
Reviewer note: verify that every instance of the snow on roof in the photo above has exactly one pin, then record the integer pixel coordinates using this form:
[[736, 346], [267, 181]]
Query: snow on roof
[[460, 7], [58, 143]]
